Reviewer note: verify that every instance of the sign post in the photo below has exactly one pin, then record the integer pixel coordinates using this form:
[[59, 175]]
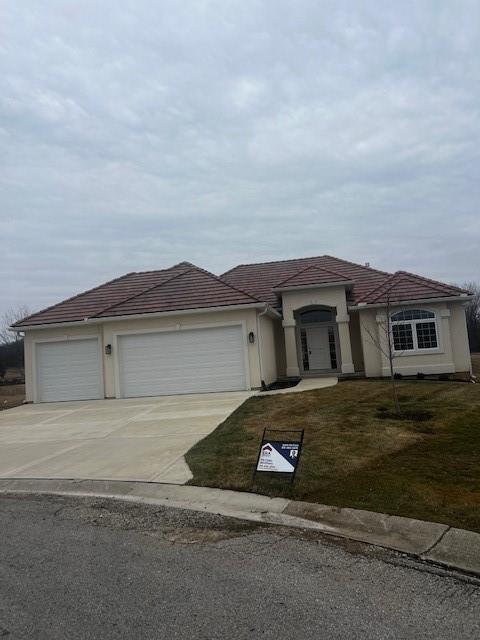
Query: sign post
[[279, 455]]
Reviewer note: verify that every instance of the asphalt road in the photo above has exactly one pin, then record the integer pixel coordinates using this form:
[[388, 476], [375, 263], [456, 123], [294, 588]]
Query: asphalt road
[[84, 568]]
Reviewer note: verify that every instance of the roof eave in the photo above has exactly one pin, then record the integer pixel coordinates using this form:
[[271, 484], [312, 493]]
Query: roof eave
[[365, 305], [142, 316]]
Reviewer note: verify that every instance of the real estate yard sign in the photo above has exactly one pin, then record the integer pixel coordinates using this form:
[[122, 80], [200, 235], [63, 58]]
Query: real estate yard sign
[[279, 455]]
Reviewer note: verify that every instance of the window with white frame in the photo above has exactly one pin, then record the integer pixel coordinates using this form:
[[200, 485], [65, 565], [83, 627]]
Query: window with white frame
[[414, 330]]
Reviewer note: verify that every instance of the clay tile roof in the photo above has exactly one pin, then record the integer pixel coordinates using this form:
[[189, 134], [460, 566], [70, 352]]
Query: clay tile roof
[[260, 279], [190, 289], [311, 275], [263, 278], [408, 286], [183, 286]]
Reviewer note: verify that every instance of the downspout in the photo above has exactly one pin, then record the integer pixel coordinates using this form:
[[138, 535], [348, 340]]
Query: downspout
[[259, 338]]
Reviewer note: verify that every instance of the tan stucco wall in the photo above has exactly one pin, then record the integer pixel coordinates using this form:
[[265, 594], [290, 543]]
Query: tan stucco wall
[[281, 357], [356, 342], [369, 334], [459, 334], [268, 348], [328, 296], [452, 356], [107, 331]]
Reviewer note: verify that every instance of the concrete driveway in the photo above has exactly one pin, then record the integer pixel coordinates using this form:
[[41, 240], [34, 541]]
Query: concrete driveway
[[135, 439]]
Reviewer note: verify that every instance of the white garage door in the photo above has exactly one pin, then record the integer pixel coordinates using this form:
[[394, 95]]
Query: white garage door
[[190, 361], [68, 370]]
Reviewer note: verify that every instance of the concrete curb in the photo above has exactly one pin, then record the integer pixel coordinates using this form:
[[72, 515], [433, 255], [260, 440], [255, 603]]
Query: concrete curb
[[428, 541]]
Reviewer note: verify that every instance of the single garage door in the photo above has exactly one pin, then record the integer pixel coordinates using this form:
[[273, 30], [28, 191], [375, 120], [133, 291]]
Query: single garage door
[[68, 370], [186, 361]]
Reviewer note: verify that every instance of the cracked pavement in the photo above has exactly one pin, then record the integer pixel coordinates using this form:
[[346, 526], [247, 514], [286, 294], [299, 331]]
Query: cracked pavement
[[95, 568]]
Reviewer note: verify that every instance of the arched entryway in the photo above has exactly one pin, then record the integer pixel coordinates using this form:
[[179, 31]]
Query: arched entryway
[[317, 340]]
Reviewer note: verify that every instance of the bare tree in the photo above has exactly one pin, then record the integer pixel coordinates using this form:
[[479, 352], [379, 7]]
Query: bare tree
[[12, 315], [383, 341], [472, 312], [11, 342]]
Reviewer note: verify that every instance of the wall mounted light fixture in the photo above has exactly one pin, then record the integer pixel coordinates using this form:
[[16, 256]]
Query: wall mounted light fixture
[[251, 337], [108, 349]]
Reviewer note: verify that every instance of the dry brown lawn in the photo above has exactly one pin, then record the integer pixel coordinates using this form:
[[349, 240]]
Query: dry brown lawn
[[11, 395], [476, 364], [354, 457]]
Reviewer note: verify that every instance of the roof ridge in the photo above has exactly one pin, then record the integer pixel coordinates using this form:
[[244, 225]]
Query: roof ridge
[[405, 275], [310, 266], [294, 275], [398, 275], [140, 293], [161, 270], [356, 264], [255, 264], [78, 295], [325, 255], [378, 287], [219, 279], [335, 273], [232, 269], [385, 287], [436, 283], [174, 277]]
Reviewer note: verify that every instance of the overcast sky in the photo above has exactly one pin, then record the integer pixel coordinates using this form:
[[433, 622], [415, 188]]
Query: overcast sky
[[136, 134]]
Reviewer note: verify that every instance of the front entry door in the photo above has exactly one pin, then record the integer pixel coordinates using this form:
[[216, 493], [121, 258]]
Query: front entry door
[[318, 348]]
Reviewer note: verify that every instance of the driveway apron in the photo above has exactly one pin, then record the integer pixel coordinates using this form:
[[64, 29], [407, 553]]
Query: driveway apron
[[134, 439]]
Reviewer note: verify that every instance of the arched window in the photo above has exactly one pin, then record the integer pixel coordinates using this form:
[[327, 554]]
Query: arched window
[[412, 314], [414, 330], [316, 315]]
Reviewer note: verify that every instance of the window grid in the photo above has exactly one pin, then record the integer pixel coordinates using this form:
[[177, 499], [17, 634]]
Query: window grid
[[411, 333], [303, 340], [402, 337], [427, 335], [333, 350], [412, 314]]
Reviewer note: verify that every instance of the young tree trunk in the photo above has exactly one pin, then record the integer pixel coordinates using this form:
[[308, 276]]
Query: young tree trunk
[[394, 388], [396, 403]]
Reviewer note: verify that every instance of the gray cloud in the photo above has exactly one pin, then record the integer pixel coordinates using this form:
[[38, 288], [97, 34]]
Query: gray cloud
[[137, 134]]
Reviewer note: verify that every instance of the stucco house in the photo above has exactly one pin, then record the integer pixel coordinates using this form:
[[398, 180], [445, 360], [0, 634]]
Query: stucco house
[[185, 330]]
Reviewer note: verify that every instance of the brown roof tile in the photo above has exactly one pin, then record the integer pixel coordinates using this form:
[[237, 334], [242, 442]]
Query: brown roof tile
[[260, 279], [311, 275], [192, 289], [408, 286], [183, 286]]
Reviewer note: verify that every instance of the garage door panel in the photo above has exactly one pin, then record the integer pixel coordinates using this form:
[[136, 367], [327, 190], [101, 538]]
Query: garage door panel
[[187, 361], [68, 370]]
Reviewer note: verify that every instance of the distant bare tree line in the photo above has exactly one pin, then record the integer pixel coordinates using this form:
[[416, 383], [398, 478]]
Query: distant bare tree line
[[473, 316], [10, 317], [11, 342]]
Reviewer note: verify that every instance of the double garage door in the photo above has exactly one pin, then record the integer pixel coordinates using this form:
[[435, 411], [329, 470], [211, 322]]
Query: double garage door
[[149, 364], [190, 361]]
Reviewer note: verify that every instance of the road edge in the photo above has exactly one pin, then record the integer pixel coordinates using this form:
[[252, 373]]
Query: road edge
[[436, 543]]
